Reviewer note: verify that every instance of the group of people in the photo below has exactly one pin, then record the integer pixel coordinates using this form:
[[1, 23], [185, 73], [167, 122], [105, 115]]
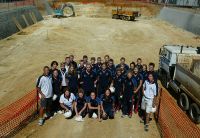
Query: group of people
[[98, 88]]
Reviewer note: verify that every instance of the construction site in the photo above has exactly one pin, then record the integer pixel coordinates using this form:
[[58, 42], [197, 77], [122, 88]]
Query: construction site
[[33, 33]]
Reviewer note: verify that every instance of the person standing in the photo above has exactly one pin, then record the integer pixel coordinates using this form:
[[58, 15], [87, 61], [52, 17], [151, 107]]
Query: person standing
[[138, 78], [139, 64], [85, 60], [148, 99], [111, 67], [56, 84], [88, 80], [144, 72], [104, 79], [63, 75], [117, 83], [155, 74], [122, 62], [71, 57], [132, 66], [67, 63], [129, 90], [54, 66], [93, 64], [106, 59], [72, 77], [44, 88], [98, 65]]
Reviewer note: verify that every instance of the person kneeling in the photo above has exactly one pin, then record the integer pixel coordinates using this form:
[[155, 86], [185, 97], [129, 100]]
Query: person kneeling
[[107, 105], [80, 105], [94, 106], [67, 103]]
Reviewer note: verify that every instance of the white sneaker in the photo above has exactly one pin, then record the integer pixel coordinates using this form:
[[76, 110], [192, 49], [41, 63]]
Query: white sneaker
[[60, 112], [41, 122], [55, 113]]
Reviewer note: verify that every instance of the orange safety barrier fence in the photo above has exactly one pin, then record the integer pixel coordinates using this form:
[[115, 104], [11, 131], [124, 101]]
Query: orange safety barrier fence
[[14, 116], [173, 122]]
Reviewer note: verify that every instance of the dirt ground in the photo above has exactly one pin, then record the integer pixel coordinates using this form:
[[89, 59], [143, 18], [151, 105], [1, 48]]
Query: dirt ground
[[59, 127], [23, 55]]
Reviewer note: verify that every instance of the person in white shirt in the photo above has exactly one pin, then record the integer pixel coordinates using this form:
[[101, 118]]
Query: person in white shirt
[[148, 99], [63, 75], [67, 102], [44, 88]]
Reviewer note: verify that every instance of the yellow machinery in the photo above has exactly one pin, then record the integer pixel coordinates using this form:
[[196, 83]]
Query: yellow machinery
[[125, 14]]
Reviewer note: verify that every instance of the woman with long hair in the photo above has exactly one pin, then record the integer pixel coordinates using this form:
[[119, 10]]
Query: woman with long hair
[[72, 77]]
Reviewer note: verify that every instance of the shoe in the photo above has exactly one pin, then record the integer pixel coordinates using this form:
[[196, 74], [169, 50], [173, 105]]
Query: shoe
[[122, 116], [135, 111], [47, 115], [141, 121], [60, 112], [130, 116], [146, 127], [41, 122], [55, 114]]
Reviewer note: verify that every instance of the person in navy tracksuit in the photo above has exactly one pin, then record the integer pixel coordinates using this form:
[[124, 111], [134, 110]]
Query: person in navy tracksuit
[[71, 57], [118, 82], [80, 69], [144, 72], [56, 85], [98, 65], [122, 62], [54, 66], [85, 60], [139, 64], [106, 59], [129, 88], [138, 78], [132, 66], [104, 79], [107, 105], [80, 104], [92, 61], [88, 80], [94, 105], [124, 71], [155, 74], [72, 77], [111, 67]]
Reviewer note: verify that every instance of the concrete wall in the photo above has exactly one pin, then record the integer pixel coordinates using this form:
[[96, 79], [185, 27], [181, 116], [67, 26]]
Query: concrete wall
[[183, 19], [12, 19]]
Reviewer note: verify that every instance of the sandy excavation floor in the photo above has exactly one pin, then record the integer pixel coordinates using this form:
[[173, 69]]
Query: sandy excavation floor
[[22, 57], [61, 128]]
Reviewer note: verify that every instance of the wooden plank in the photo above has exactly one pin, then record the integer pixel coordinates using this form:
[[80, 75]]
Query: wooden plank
[[27, 24], [34, 17], [30, 14], [17, 23]]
